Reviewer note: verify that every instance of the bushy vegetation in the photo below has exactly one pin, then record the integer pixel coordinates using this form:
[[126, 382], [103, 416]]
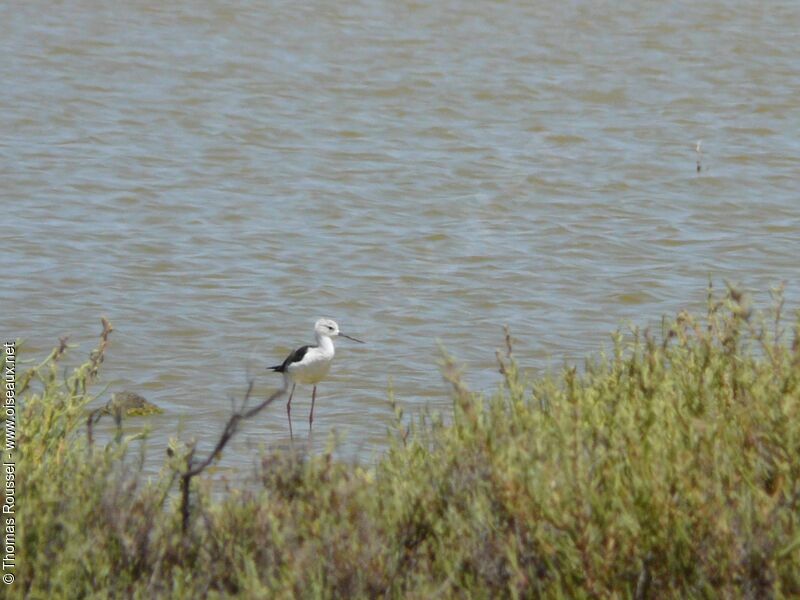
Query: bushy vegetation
[[668, 468]]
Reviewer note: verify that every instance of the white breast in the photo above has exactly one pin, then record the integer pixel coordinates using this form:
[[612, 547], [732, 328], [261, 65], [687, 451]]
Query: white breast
[[313, 368]]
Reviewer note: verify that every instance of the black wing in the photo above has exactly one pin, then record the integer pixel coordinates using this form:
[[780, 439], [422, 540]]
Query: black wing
[[294, 357]]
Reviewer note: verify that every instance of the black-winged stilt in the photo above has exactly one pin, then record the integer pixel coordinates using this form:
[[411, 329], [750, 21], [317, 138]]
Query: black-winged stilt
[[310, 364]]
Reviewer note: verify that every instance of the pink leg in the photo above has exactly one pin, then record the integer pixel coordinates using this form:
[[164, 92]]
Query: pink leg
[[313, 399], [289, 410]]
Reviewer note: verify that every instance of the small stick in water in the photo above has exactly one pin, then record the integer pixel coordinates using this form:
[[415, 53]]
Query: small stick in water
[[699, 152]]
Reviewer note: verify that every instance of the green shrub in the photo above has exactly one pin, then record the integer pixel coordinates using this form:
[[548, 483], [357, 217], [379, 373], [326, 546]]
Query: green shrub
[[669, 468]]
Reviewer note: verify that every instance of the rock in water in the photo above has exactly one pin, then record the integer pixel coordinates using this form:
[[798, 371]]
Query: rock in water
[[130, 404]]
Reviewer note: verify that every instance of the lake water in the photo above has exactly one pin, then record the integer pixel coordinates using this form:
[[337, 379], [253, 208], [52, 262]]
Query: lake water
[[213, 176]]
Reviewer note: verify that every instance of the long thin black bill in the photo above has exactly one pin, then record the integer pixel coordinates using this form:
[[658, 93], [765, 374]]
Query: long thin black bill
[[351, 338]]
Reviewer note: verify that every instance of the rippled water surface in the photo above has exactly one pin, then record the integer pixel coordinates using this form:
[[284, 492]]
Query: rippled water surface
[[213, 176]]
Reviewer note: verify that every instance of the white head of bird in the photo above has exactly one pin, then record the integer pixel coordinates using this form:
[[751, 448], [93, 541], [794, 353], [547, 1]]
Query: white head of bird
[[328, 328]]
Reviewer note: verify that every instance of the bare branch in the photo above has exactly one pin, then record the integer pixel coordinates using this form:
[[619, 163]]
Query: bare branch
[[228, 431]]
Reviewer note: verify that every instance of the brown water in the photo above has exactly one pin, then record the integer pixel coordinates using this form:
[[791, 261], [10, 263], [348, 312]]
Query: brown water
[[214, 176]]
